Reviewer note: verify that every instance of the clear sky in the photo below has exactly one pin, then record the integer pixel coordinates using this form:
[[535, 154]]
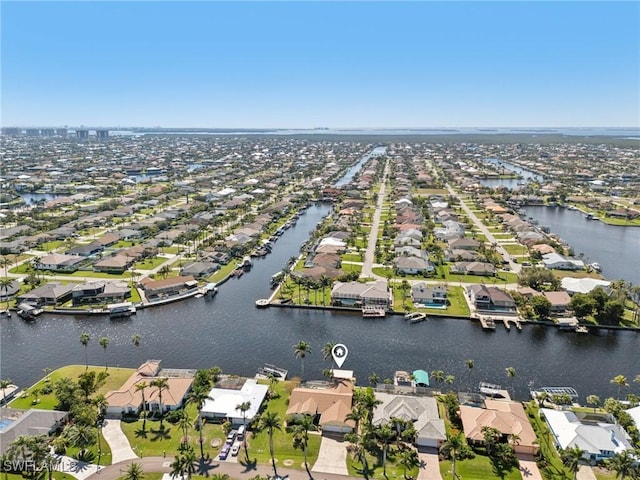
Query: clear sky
[[320, 64]]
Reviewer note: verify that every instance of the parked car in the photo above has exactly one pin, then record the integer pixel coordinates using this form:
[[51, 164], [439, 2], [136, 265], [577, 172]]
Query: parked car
[[234, 450], [232, 436], [224, 452]]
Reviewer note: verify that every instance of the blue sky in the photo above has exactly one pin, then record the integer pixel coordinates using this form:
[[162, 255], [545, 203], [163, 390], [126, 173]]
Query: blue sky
[[311, 64]]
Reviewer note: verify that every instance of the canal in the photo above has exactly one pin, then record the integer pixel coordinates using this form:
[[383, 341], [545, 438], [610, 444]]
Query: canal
[[230, 332]]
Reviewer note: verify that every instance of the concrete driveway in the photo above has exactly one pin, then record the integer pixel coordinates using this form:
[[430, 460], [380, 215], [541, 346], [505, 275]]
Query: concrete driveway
[[332, 457], [429, 464], [118, 443]]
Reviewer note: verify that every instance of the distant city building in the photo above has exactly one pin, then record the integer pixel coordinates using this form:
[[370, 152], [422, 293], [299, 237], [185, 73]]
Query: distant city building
[[82, 134], [61, 132], [33, 132], [14, 132], [47, 132], [102, 134]]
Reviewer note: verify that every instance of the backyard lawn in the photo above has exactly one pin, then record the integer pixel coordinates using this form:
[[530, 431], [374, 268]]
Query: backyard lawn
[[478, 468]]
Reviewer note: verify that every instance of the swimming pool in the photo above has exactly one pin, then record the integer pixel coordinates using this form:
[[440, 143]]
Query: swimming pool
[[4, 423]]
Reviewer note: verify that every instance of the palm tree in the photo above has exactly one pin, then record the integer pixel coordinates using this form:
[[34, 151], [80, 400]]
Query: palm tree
[[327, 351], [84, 340], [134, 472], [385, 435], [161, 383], [4, 383], [571, 459], [164, 271], [184, 423], [178, 467], [511, 373], [5, 283], [80, 436], [244, 408], [271, 421], [453, 446], [198, 397], [104, 343], [136, 339], [140, 387], [438, 376], [621, 381], [301, 350], [408, 459], [357, 414], [300, 432], [469, 364], [594, 401], [374, 379], [623, 463]]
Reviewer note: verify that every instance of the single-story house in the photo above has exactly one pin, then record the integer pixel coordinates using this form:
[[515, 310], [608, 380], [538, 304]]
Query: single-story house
[[168, 286], [199, 269], [128, 398], [559, 301], [51, 293], [598, 435], [100, 292], [555, 261], [222, 402], [509, 418], [87, 250], [332, 403], [473, 268], [59, 262], [582, 285], [28, 423], [422, 411], [115, 264], [413, 265]]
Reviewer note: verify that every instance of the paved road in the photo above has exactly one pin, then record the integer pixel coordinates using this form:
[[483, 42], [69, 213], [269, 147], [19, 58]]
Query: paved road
[[234, 470], [369, 254], [515, 267]]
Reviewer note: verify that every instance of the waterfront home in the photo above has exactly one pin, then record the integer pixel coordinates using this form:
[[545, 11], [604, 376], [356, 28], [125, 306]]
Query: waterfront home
[[491, 299], [127, 400], [331, 401], [424, 294], [582, 285], [199, 269], [225, 397], [598, 435], [508, 417], [18, 423], [555, 261], [100, 292], [559, 301], [51, 293], [167, 287], [356, 294], [421, 410], [59, 262], [88, 250]]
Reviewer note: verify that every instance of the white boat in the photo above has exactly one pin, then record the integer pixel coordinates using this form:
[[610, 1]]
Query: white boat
[[121, 310], [415, 317], [596, 267]]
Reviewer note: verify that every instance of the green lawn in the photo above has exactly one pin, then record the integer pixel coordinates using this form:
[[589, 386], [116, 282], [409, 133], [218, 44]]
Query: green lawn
[[554, 468], [374, 462], [117, 377], [149, 263], [49, 246], [352, 257], [478, 468], [156, 442], [515, 249], [604, 474], [501, 278], [284, 452], [224, 271]]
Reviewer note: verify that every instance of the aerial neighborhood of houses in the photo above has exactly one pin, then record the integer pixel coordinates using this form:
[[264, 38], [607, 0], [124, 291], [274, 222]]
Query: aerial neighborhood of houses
[[158, 219]]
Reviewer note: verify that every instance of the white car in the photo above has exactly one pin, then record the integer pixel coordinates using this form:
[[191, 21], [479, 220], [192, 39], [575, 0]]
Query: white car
[[235, 450]]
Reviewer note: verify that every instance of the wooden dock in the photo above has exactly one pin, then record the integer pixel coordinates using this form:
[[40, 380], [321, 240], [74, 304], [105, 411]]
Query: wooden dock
[[487, 323]]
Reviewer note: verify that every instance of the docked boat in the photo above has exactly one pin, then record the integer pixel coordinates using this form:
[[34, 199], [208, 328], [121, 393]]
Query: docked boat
[[246, 263], [373, 311], [262, 303], [121, 310], [28, 312], [271, 371], [415, 317], [596, 267]]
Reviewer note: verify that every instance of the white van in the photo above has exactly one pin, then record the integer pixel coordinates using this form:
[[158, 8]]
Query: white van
[[240, 432]]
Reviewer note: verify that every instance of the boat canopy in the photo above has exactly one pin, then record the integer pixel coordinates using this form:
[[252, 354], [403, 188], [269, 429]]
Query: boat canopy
[[421, 378]]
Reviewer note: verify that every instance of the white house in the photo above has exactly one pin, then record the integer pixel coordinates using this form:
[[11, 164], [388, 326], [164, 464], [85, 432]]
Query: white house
[[429, 294], [223, 402], [599, 438], [555, 261]]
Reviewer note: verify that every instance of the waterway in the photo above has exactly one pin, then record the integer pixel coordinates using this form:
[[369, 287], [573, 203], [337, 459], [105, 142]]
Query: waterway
[[616, 249], [230, 332], [31, 198], [510, 183]]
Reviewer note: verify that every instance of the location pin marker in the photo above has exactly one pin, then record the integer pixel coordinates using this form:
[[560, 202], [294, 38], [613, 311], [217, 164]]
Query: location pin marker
[[339, 353]]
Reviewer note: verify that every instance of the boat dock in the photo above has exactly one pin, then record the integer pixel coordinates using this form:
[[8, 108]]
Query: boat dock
[[373, 311], [487, 323], [268, 371]]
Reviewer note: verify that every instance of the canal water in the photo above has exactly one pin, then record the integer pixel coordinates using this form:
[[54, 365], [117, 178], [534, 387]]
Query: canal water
[[616, 249], [230, 332], [510, 183]]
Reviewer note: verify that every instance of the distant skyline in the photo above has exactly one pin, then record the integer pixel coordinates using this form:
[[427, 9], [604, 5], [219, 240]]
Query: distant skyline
[[320, 64]]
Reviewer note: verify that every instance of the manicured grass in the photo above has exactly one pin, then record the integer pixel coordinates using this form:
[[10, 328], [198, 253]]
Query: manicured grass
[[577, 274], [150, 263], [352, 257], [282, 441], [478, 468], [554, 467], [501, 278], [432, 191], [604, 474], [91, 455], [224, 271], [156, 442], [92, 274], [49, 246], [170, 250], [117, 377], [515, 249], [457, 304], [374, 463]]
